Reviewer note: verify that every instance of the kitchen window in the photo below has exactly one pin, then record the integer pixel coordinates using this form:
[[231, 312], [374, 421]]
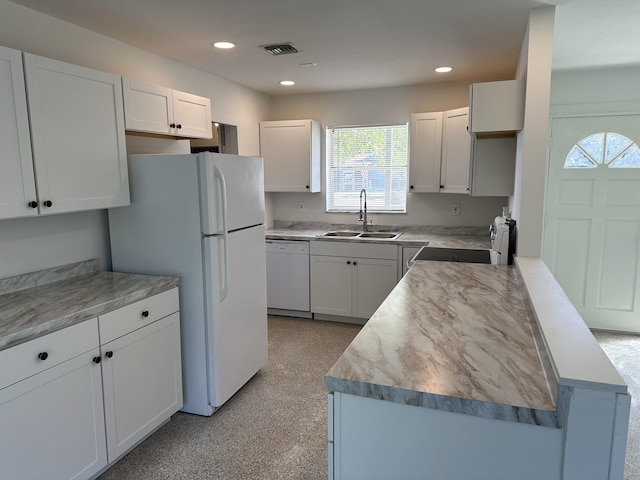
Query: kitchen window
[[373, 157]]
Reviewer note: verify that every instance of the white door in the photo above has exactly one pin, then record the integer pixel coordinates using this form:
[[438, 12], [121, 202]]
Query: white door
[[425, 152], [192, 115], [236, 310], [592, 225], [456, 151]]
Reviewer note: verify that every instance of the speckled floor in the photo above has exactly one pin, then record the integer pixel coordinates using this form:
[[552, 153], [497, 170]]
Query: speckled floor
[[624, 353], [274, 428]]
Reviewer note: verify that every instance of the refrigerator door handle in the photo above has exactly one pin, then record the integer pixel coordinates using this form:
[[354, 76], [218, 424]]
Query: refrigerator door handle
[[217, 173], [224, 289]]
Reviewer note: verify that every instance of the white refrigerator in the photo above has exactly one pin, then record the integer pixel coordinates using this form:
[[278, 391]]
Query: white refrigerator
[[201, 218]]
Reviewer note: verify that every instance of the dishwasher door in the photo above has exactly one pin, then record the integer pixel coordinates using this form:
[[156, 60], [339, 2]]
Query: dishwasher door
[[288, 275]]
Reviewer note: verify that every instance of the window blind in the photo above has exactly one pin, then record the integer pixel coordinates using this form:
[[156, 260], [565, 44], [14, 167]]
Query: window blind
[[369, 157]]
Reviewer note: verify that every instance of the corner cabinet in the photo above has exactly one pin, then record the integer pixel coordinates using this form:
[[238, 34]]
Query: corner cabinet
[[291, 152], [439, 152], [155, 109], [351, 279], [77, 135]]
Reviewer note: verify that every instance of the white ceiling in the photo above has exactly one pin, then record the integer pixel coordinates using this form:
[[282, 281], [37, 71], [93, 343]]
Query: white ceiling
[[357, 44]]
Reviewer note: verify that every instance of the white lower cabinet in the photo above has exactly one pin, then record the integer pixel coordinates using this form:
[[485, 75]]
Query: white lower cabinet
[[350, 279], [142, 383], [52, 423], [69, 407]]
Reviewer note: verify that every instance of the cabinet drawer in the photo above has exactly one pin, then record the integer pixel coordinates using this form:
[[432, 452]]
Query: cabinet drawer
[[123, 320], [26, 359]]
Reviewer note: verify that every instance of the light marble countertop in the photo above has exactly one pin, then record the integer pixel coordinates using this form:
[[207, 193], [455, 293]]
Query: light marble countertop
[[41, 302], [441, 237], [456, 337]]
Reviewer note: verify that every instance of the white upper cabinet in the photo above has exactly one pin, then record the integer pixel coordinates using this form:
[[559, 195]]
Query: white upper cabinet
[[440, 152], [291, 152], [155, 109], [425, 152], [496, 106], [17, 187], [77, 135], [456, 151]]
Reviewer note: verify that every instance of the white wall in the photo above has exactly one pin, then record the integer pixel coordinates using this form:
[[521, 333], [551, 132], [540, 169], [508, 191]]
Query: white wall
[[385, 105], [36, 243], [598, 88], [531, 159]]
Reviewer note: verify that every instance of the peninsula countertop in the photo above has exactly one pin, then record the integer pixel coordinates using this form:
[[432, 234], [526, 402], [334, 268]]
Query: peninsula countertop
[[455, 337], [42, 302]]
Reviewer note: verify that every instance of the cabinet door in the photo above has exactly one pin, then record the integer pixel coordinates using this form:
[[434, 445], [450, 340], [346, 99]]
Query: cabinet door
[[425, 152], [77, 129], [456, 152], [373, 280], [147, 107], [493, 166], [17, 187], [142, 383], [53, 423], [497, 106], [291, 152], [191, 115], [331, 285]]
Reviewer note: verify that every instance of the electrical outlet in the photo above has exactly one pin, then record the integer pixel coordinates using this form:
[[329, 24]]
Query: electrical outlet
[[300, 206], [454, 209]]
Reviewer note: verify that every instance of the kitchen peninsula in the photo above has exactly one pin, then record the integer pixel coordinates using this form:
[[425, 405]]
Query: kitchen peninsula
[[476, 371]]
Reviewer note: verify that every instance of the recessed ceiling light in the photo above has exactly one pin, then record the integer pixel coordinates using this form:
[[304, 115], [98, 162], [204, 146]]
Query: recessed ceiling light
[[444, 69], [223, 44], [287, 83]]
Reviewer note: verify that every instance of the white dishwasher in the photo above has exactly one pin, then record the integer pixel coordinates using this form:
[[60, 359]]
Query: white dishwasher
[[288, 276]]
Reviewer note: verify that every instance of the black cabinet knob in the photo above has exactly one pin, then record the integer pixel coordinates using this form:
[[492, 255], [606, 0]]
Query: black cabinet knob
[[441, 186], [172, 125], [32, 204], [355, 263], [47, 203], [348, 262], [145, 314], [307, 187], [411, 187], [43, 355], [96, 359], [109, 354], [178, 126]]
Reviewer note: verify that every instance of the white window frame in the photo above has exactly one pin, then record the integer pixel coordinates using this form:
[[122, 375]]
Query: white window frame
[[381, 167]]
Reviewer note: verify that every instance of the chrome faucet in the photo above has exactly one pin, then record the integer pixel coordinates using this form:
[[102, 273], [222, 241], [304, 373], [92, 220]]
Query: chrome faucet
[[363, 213]]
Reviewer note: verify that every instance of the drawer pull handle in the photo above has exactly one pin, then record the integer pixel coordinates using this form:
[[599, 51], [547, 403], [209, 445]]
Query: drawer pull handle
[[109, 354], [96, 359], [145, 313], [43, 355]]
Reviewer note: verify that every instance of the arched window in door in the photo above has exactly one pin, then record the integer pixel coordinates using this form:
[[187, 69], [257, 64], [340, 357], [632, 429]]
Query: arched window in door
[[604, 149]]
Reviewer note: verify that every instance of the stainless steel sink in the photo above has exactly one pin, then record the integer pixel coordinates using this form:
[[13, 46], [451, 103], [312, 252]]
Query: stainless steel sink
[[384, 235], [341, 234], [371, 235]]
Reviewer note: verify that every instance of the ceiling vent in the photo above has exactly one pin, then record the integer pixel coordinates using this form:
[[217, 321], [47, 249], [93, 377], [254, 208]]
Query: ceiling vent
[[281, 48]]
